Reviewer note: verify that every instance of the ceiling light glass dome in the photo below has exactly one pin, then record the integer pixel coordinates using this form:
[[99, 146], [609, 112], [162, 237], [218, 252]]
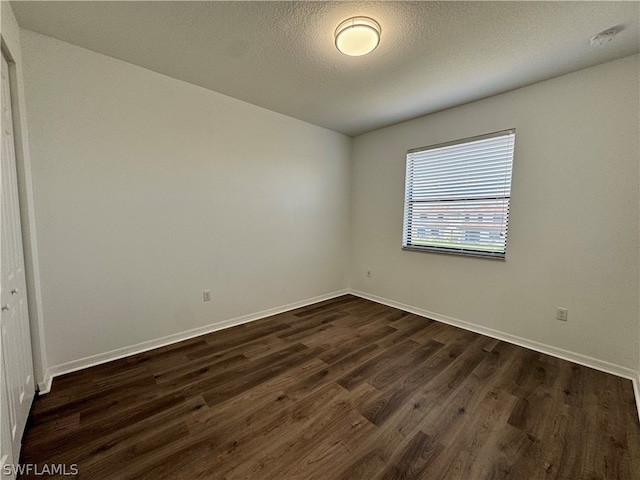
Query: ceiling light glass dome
[[357, 36]]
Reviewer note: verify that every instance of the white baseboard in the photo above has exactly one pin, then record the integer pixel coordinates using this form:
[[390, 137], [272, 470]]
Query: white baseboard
[[44, 387], [68, 367], [636, 391], [578, 358], [55, 371]]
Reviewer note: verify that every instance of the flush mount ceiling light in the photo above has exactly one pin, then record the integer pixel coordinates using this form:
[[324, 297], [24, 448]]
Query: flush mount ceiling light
[[357, 36]]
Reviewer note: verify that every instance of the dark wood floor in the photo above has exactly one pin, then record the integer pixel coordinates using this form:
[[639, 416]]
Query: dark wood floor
[[345, 389]]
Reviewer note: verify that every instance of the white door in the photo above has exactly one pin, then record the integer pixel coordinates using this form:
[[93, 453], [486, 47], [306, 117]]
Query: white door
[[7, 471], [14, 319]]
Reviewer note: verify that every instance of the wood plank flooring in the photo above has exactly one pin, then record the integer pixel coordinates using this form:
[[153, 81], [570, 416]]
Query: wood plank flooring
[[344, 389]]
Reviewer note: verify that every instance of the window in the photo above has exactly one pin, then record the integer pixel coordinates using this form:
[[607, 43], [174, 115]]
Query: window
[[461, 190]]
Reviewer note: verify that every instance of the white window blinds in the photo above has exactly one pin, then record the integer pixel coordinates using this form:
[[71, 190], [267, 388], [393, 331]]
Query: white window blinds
[[457, 196]]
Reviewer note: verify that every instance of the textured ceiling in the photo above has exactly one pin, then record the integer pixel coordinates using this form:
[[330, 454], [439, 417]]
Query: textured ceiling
[[281, 55]]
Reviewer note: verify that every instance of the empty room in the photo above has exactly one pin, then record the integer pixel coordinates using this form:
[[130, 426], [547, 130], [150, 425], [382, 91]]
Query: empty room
[[320, 240]]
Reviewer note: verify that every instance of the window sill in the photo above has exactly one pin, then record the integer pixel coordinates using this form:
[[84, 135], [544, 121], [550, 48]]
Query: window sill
[[462, 253]]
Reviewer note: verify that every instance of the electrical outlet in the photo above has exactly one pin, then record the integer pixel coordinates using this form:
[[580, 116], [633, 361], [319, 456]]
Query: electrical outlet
[[206, 295], [561, 314], [369, 274]]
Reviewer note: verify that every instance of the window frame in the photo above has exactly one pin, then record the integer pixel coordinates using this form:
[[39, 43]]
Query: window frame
[[467, 252]]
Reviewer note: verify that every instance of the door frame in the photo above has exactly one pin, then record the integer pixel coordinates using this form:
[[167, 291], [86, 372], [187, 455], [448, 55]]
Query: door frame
[[10, 49]]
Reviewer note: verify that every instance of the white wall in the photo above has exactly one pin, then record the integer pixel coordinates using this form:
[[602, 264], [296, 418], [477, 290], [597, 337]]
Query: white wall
[[149, 190], [573, 227], [11, 46]]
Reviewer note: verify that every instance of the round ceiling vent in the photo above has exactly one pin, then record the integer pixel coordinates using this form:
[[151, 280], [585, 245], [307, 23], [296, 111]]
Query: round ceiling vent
[[605, 37]]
